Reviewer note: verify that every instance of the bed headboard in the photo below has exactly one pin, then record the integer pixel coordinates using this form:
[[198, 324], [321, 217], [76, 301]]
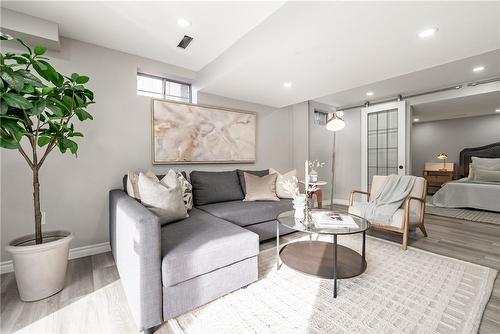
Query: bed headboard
[[487, 151]]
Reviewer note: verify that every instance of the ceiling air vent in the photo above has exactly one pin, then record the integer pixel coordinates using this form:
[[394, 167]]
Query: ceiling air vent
[[185, 42]]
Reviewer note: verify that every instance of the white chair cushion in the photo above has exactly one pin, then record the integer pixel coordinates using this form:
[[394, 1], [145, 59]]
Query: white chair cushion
[[397, 219]]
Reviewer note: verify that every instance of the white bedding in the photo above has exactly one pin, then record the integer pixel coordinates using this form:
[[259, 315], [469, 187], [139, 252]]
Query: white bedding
[[468, 194]]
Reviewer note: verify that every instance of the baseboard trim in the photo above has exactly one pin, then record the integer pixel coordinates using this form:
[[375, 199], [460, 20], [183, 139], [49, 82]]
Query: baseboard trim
[[336, 201], [74, 253]]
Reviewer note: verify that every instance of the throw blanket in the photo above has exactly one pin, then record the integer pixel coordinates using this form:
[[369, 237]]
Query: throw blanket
[[389, 198]]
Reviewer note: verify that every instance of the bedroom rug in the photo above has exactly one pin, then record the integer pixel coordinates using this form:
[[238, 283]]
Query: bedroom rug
[[410, 291], [465, 214]]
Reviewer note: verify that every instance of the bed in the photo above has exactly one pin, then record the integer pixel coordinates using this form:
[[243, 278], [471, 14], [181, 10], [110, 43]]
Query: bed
[[464, 193]]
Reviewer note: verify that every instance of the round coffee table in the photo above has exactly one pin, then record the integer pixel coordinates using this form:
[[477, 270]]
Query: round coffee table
[[319, 258]]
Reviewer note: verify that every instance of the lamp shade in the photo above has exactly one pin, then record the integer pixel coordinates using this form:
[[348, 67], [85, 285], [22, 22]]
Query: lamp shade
[[335, 123], [442, 156]]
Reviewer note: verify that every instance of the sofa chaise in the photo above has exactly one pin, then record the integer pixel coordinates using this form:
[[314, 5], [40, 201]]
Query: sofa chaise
[[167, 270]]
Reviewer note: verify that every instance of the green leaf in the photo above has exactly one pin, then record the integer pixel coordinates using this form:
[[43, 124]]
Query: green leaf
[[25, 45], [38, 108], [76, 134], [13, 79], [3, 108], [29, 78], [82, 115], [28, 89], [2, 85], [8, 142], [47, 90], [43, 140], [40, 50], [88, 93], [82, 79], [16, 101], [68, 102], [20, 60], [74, 76], [56, 110]]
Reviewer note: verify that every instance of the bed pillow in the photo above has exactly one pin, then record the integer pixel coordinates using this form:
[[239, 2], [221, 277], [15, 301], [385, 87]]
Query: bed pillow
[[260, 188], [487, 175], [483, 163], [163, 198], [288, 178]]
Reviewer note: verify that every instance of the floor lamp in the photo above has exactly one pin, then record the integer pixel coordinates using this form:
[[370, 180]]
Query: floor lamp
[[334, 124]]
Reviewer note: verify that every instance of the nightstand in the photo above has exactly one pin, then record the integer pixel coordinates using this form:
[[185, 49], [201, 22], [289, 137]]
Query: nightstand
[[436, 179]]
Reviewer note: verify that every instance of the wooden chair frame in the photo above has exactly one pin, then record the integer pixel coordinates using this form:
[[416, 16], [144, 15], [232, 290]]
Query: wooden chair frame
[[405, 230]]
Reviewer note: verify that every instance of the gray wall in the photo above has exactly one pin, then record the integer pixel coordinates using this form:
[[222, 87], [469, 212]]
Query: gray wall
[[74, 191], [450, 137]]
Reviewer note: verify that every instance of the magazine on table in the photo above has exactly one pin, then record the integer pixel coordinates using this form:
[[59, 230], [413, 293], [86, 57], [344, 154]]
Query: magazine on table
[[332, 220]]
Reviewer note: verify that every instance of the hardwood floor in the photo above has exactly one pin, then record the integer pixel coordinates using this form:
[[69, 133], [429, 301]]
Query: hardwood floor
[[93, 300]]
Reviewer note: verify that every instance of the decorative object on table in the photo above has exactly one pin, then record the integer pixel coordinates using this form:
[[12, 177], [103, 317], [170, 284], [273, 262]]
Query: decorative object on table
[[42, 112], [315, 190], [436, 179], [443, 156], [193, 133], [313, 170], [299, 204], [334, 124]]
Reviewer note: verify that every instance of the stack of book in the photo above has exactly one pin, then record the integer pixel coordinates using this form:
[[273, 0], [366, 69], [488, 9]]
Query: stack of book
[[330, 219]]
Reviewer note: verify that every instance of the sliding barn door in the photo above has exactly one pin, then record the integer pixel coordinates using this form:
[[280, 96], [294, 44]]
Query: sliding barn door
[[384, 141]]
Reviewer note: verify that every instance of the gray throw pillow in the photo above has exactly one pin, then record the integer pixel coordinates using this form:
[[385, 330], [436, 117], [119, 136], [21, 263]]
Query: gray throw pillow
[[241, 176], [213, 187], [163, 198], [260, 188]]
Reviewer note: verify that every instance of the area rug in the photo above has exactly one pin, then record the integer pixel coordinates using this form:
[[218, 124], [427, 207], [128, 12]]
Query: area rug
[[465, 214], [411, 291]]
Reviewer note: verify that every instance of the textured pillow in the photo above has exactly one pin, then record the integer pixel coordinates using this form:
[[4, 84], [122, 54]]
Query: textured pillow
[[213, 187], [260, 188], [487, 175], [289, 177], [163, 198], [187, 191], [253, 172], [132, 179], [483, 163]]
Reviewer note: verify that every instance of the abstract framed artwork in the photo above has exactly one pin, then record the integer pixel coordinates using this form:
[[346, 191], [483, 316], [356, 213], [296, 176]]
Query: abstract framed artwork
[[186, 133]]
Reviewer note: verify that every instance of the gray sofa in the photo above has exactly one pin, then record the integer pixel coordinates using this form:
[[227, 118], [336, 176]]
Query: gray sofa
[[167, 270]]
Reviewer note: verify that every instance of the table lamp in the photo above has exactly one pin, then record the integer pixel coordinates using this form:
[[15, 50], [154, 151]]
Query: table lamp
[[443, 156]]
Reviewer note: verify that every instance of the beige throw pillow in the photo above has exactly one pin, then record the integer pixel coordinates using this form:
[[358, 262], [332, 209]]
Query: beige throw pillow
[[289, 178], [163, 198], [260, 188], [132, 179]]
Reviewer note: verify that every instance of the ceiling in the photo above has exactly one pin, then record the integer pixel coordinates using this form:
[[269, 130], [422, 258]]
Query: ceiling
[[247, 50], [456, 72], [149, 28], [468, 106]]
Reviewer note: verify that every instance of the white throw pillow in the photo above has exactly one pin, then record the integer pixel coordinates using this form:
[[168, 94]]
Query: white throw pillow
[[289, 178], [164, 198], [132, 179], [483, 163]]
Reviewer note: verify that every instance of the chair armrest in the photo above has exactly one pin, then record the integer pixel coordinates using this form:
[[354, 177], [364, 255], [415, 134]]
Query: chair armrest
[[135, 242], [351, 197], [407, 207]]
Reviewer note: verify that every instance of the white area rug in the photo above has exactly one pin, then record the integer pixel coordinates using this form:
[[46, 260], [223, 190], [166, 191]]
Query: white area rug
[[465, 214], [401, 292]]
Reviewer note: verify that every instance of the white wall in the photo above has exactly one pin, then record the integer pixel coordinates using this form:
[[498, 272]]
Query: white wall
[[74, 191], [450, 137]]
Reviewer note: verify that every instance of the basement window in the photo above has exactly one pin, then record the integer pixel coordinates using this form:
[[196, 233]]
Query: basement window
[[163, 88]]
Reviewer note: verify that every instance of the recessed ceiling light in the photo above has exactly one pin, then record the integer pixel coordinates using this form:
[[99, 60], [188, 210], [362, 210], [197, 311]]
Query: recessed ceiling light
[[478, 69], [427, 32], [370, 93], [183, 23], [416, 120], [287, 84]]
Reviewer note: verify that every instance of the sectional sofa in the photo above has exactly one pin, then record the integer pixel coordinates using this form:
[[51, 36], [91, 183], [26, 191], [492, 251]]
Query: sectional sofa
[[167, 270]]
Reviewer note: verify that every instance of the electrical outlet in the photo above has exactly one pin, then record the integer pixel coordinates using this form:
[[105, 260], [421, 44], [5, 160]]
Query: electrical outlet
[[44, 221]]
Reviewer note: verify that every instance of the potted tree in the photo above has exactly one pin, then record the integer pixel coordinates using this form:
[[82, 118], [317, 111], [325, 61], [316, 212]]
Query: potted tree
[[38, 106]]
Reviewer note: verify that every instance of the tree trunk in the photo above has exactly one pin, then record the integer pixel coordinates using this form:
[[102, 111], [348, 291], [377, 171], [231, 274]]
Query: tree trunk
[[36, 201]]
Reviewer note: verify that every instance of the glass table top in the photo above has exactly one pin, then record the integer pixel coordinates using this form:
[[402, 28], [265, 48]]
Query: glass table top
[[310, 226]]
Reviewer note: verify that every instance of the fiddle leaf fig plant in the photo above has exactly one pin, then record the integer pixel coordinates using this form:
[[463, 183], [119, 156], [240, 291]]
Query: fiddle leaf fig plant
[[38, 108]]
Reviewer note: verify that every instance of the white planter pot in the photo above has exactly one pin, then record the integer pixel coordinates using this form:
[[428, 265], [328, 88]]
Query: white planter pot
[[40, 269]]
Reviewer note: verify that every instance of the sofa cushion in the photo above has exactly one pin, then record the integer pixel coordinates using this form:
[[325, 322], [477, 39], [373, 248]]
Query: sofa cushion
[[200, 244], [213, 187], [248, 213], [241, 176]]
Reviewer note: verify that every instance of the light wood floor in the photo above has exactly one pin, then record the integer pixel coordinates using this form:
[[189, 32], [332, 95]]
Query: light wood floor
[[93, 300]]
